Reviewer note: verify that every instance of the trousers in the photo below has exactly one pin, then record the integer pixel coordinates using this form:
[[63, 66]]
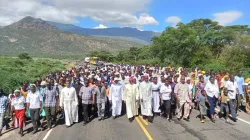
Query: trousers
[[180, 107], [86, 112], [34, 115], [167, 104], [232, 106], [50, 115], [101, 109]]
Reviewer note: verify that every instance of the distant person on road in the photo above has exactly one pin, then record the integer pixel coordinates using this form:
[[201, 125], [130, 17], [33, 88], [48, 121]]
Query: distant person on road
[[3, 105], [34, 104], [18, 105], [145, 91], [116, 92], [50, 96], [69, 102], [131, 97]]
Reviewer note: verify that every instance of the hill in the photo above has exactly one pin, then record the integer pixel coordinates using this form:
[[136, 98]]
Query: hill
[[40, 39], [113, 32]]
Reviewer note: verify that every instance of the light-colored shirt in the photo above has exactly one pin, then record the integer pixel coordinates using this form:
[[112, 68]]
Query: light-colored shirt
[[182, 91], [212, 89], [34, 99], [166, 92], [18, 103], [232, 86], [240, 82]]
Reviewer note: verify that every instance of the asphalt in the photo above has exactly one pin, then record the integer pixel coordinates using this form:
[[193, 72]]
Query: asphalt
[[160, 129]]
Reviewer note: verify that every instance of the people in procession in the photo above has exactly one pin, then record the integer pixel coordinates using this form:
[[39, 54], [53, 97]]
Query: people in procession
[[146, 90]]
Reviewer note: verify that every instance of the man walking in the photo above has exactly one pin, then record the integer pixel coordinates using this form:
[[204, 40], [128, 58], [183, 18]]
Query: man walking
[[181, 91], [69, 102], [100, 96], [50, 96], [87, 99], [116, 92], [145, 91], [131, 97], [3, 104], [233, 90]]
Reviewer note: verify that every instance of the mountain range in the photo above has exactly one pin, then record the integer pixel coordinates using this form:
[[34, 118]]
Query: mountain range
[[40, 38], [122, 33]]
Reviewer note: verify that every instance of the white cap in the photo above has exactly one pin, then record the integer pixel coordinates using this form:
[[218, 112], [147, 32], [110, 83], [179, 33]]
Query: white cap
[[117, 79]]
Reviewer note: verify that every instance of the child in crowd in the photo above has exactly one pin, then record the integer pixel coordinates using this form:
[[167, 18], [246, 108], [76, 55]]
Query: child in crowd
[[224, 103], [202, 100]]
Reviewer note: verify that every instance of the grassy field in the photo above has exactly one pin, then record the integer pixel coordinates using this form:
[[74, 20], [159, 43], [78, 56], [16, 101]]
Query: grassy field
[[14, 70]]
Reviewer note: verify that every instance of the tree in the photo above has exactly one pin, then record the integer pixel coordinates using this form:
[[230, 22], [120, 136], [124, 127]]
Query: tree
[[24, 56]]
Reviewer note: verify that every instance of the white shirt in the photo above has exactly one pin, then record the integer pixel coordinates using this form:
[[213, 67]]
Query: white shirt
[[231, 86], [34, 99], [18, 103], [166, 92], [212, 90]]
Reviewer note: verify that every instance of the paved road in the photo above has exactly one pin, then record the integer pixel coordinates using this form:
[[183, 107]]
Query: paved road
[[161, 129]]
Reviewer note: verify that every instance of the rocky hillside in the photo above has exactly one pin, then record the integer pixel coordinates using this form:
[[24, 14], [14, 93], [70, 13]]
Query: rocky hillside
[[40, 39]]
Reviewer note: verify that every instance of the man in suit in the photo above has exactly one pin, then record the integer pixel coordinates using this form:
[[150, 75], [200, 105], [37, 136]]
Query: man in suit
[[100, 93]]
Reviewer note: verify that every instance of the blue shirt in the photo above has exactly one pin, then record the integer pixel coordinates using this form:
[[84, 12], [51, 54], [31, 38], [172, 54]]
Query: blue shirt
[[3, 103], [240, 83]]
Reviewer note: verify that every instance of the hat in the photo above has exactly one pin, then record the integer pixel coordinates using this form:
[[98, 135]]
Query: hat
[[43, 83], [226, 76], [117, 79], [16, 91], [188, 78], [131, 79], [203, 72]]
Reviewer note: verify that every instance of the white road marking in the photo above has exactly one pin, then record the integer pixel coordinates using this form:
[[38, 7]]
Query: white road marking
[[237, 117], [47, 135]]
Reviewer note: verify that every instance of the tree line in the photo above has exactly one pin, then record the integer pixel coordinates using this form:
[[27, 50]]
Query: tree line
[[199, 43]]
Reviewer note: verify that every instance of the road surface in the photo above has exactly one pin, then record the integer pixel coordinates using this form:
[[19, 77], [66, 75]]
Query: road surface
[[160, 129]]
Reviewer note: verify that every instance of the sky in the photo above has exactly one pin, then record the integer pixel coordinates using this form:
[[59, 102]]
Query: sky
[[154, 15]]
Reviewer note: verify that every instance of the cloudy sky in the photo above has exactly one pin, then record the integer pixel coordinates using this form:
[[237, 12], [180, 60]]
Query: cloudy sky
[[142, 14]]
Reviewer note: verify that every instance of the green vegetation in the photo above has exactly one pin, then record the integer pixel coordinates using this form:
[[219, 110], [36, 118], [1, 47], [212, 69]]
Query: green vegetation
[[202, 42], [15, 71]]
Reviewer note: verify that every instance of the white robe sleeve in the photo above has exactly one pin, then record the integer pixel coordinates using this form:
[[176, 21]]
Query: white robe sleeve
[[76, 98], [110, 92], [125, 93], [61, 98], [136, 92]]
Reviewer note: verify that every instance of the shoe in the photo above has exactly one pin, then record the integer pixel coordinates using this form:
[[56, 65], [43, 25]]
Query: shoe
[[103, 119], [130, 119], [35, 131], [84, 123], [144, 117], [99, 119], [67, 126], [114, 117], [179, 119], [169, 119], [186, 119], [227, 120], [235, 120], [21, 132], [213, 120], [202, 121]]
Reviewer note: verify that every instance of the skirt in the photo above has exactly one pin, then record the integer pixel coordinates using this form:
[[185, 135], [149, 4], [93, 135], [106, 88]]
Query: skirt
[[19, 118]]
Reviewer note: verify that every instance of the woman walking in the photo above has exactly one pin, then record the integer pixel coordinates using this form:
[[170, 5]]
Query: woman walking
[[166, 91], [18, 106]]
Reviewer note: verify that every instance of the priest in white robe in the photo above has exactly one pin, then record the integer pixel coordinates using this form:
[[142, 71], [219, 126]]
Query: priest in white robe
[[145, 91], [69, 102], [131, 97], [115, 97]]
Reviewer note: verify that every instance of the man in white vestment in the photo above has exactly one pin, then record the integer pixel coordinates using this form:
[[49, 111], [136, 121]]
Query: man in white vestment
[[145, 91], [131, 97], [115, 96], [69, 102]]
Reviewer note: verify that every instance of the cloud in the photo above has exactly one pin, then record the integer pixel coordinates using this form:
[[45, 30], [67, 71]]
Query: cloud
[[117, 12], [227, 17], [173, 20], [100, 26]]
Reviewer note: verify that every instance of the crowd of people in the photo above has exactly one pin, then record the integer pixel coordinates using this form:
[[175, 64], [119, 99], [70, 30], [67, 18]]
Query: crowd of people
[[85, 93]]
